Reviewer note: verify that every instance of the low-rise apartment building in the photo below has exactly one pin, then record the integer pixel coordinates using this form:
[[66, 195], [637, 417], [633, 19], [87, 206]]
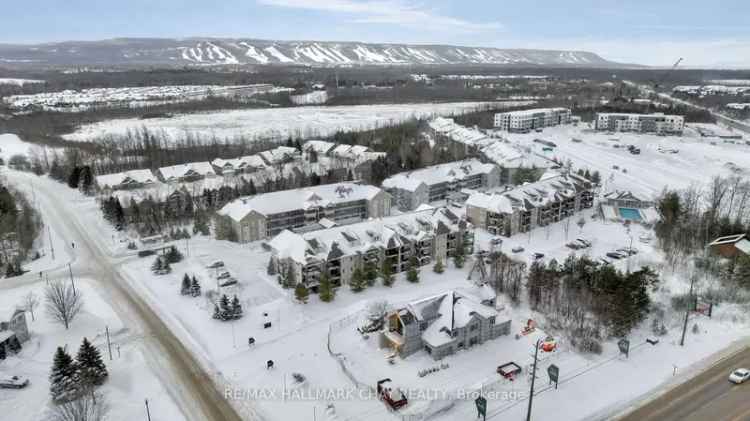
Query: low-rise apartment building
[[553, 198], [397, 241], [430, 184], [537, 118], [125, 180], [643, 123], [446, 323], [265, 215], [186, 172]]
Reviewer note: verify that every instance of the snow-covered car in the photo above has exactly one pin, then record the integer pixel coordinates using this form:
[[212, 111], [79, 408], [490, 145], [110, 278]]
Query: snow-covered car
[[538, 256], [583, 241], [224, 275], [615, 255], [739, 376], [497, 241], [215, 264], [228, 282], [13, 382], [517, 249], [627, 252]]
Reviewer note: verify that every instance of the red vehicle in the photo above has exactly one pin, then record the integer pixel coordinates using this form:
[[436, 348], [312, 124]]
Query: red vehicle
[[509, 370], [390, 394]]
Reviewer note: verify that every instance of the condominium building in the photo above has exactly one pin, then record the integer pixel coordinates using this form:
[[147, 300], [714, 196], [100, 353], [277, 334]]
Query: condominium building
[[643, 123], [125, 180], [446, 323], [426, 185], [265, 215], [525, 120], [553, 198], [397, 241], [186, 172]]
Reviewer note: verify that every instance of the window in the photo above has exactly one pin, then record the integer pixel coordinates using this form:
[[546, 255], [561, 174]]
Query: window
[[473, 327], [492, 321]]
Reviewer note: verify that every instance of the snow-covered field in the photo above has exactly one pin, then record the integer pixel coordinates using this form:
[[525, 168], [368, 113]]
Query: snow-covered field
[[697, 158], [130, 380], [11, 145], [280, 123], [72, 101], [18, 82]]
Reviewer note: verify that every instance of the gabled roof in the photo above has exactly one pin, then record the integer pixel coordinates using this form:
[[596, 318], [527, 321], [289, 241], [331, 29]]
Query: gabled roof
[[452, 171], [125, 178], [175, 172], [729, 239], [553, 188]]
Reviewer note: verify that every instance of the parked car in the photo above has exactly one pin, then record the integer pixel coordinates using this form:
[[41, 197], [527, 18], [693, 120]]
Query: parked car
[[615, 255], [739, 376], [215, 264], [628, 252], [538, 255], [575, 245], [224, 275], [517, 249], [391, 395], [146, 253], [228, 282], [497, 241], [13, 382]]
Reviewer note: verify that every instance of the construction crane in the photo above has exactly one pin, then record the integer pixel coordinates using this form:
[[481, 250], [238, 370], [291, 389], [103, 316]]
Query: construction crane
[[669, 72]]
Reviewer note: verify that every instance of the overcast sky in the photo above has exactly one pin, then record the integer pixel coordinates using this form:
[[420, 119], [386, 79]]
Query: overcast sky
[[654, 32]]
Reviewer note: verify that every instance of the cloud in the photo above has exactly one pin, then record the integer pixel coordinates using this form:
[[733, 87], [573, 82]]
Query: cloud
[[395, 12]]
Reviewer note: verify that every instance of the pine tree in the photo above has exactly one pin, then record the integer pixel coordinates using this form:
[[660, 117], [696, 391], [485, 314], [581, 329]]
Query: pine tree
[[301, 293], [357, 283], [173, 255], [386, 274], [186, 285], [157, 266], [225, 306], [459, 257], [290, 279], [271, 270], [438, 267], [325, 289], [236, 308], [91, 368], [371, 275], [62, 377], [195, 287], [217, 312], [412, 275]]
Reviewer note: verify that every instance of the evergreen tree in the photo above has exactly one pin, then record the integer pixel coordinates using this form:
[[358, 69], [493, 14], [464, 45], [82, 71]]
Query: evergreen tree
[[290, 278], [271, 270], [412, 275], [74, 179], [596, 178], [357, 283], [186, 285], [195, 287], [173, 255], [301, 293], [62, 377], [217, 313], [459, 256], [236, 308], [225, 307], [158, 266], [386, 274], [438, 267], [91, 368], [325, 289], [371, 275]]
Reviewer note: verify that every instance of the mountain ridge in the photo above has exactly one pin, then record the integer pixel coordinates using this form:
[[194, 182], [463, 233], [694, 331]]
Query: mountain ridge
[[251, 51]]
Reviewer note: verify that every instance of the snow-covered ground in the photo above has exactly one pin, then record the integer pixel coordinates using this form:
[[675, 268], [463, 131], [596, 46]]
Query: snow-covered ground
[[18, 82], [280, 123], [130, 380], [697, 158], [10, 145]]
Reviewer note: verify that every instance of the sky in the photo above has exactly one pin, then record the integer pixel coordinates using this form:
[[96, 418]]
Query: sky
[[652, 32]]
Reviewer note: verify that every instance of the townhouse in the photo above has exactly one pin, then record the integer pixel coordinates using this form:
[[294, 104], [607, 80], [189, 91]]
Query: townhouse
[[265, 215], [658, 123], [396, 241], [192, 171], [553, 198], [125, 180], [537, 118], [430, 184]]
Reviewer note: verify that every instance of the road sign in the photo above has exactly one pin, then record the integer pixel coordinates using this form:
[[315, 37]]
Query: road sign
[[481, 407], [624, 346], [554, 374]]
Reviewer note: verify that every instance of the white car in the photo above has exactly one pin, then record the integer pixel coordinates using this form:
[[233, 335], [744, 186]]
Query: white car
[[13, 382], [739, 376]]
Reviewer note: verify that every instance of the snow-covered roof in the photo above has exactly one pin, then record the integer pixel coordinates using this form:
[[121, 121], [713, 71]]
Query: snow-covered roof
[[553, 188], [452, 171], [361, 237], [278, 155], [176, 172], [4, 335], [125, 178], [534, 111], [743, 246], [623, 195], [320, 146], [304, 198], [729, 239], [253, 161]]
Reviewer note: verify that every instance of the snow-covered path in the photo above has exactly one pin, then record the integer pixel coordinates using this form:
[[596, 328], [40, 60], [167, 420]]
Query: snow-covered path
[[188, 384]]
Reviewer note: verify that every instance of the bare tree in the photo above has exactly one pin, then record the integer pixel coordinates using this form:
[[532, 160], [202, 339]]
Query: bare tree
[[62, 302], [30, 302], [89, 407]]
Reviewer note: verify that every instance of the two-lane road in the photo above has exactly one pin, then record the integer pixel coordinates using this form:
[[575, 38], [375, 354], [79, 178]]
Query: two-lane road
[[707, 397]]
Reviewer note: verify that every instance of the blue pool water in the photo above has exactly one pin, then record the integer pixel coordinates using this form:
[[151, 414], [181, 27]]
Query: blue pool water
[[630, 214]]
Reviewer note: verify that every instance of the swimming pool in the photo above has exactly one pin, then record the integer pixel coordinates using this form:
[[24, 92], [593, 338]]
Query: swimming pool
[[630, 214]]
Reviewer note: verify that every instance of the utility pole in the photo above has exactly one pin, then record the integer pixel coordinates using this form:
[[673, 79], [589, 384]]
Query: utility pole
[[533, 377], [51, 246], [148, 413], [72, 282], [109, 344], [687, 311]]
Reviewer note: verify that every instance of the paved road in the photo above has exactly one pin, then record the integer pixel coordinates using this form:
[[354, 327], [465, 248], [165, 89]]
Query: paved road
[[182, 376], [707, 397]]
